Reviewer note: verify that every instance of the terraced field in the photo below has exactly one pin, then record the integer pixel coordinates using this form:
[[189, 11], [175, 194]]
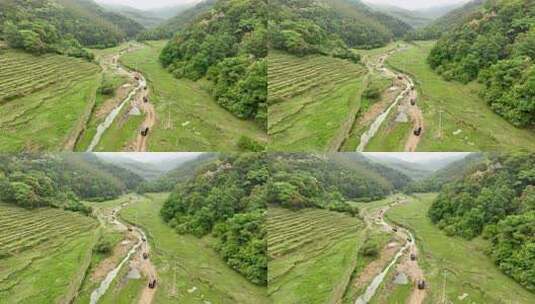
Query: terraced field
[[61, 244], [22, 74], [23, 229], [307, 246], [313, 101], [44, 100]]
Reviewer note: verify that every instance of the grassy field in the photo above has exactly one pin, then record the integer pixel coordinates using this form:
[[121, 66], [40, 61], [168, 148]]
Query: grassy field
[[458, 106], [312, 254], [313, 101], [189, 270], [44, 100], [44, 254], [458, 265], [188, 118]]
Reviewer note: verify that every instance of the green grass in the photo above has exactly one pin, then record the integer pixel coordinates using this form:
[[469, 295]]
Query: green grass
[[468, 269], [93, 122], [391, 136], [50, 270], [312, 254], [197, 122], [313, 101], [184, 262], [48, 98], [462, 109]]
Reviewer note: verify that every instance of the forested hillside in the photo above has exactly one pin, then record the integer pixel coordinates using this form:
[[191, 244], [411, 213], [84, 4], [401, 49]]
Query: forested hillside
[[496, 47], [227, 199], [183, 172], [452, 172], [170, 27], [447, 22], [31, 181], [228, 47], [62, 26], [498, 202], [325, 182], [330, 27]]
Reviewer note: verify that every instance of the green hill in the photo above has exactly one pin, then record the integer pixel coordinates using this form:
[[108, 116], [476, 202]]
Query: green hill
[[62, 26], [447, 22], [496, 46], [228, 47], [330, 27], [168, 28]]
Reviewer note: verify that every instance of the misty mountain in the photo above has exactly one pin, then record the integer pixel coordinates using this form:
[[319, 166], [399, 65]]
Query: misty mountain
[[148, 18]]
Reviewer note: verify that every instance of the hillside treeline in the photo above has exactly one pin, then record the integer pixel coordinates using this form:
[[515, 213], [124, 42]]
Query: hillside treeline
[[498, 202], [454, 171], [39, 180], [496, 47], [182, 173], [170, 27], [303, 27], [62, 26], [327, 182], [227, 199], [228, 46]]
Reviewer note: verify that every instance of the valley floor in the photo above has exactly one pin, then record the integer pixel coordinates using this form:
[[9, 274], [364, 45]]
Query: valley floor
[[455, 117]]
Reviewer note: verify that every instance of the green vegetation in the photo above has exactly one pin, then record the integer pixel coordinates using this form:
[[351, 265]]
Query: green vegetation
[[456, 118], [44, 254], [170, 27], [43, 100], [497, 47], [451, 20], [498, 200], [168, 182], [228, 46], [34, 181], [227, 200], [329, 27], [62, 26], [460, 265], [313, 101], [312, 254], [185, 262], [188, 117]]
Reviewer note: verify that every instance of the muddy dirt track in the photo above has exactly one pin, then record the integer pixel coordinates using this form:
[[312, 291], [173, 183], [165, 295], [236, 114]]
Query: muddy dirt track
[[130, 251], [405, 246], [405, 98]]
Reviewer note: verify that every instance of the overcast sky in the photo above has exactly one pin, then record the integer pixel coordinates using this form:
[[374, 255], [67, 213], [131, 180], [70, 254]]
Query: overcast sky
[[419, 156], [152, 157], [144, 4], [416, 4]]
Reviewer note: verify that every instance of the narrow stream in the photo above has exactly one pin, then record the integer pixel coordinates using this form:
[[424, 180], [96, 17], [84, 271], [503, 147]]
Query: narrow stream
[[113, 114], [370, 133], [376, 282], [105, 284]]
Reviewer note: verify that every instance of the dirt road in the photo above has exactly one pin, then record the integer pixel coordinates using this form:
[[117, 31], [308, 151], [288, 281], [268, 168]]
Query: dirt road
[[376, 271], [406, 98], [150, 120], [128, 251]]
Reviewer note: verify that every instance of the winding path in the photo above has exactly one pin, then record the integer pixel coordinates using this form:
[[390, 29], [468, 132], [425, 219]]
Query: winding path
[[407, 266], [403, 100], [136, 98], [134, 256]]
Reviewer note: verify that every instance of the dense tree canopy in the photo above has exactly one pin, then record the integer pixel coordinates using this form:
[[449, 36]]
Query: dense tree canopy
[[497, 47], [333, 27], [498, 201], [228, 46], [33, 181], [227, 199], [62, 26]]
